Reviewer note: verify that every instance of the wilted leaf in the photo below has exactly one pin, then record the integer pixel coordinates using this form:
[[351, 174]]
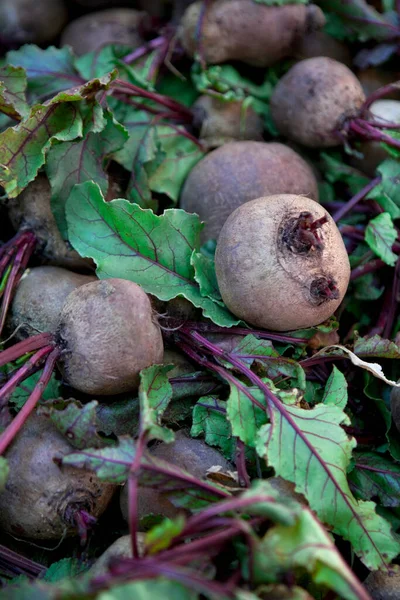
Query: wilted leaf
[[310, 449], [373, 368], [129, 242], [380, 235], [375, 476], [78, 423], [12, 92]]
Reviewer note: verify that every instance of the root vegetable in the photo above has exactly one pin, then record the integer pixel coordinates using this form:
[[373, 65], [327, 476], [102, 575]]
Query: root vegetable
[[281, 263], [39, 299], [31, 210], [244, 30], [42, 500], [382, 585], [373, 153], [221, 122], [241, 171], [31, 21], [311, 102], [95, 30], [107, 334], [192, 455]]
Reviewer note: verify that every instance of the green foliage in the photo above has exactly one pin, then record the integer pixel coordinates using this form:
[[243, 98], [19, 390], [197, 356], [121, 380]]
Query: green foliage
[[155, 393], [128, 242], [12, 92], [4, 470], [375, 476], [22, 392], [78, 423], [156, 589], [209, 419], [335, 392], [380, 235], [356, 20]]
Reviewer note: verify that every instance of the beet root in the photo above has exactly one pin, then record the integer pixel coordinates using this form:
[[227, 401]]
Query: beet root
[[41, 499], [31, 21], [107, 334], [312, 100], [242, 171], [221, 122], [192, 455], [244, 30], [39, 298], [281, 263]]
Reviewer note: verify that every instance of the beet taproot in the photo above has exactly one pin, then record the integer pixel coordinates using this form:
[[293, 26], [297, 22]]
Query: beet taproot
[[281, 263], [41, 499], [247, 31], [312, 100], [31, 21], [241, 171]]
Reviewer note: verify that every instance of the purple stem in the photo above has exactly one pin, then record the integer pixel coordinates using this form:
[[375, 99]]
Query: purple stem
[[143, 50], [356, 199], [369, 267], [241, 464], [14, 427], [22, 373], [19, 565], [29, 345], [133, 494], [377, 94], [261, 333]]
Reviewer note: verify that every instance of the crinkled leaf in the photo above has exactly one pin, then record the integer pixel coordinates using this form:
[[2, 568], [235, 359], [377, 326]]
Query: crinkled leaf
[[4, 470], [377, 347], [209, 419], [128, 242], [13, 92], [204, 274], [23, 147], [22, 392], [375, 476], [336, 389], [305, 545], [360, 17], [69, 163], [268, 360], [78, 423], [380, 235], [152, 589], [155, 393], [310, 448], [48, 70], [110, 464]]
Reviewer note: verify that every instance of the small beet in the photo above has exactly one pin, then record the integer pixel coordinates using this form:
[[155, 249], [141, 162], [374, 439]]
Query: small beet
[[32, 210], [312, 100], [95, 30], [31, 21], [107, 334], [248, 31], [242, 171], [281, 263], [42, 500], [39, 298], [221, 122]]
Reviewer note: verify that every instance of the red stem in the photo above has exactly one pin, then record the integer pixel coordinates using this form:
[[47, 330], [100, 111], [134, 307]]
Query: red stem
[[23, 372], [133, 494], [369, 267], [143, 50], [29, 345], [356, 199], [14, 427]]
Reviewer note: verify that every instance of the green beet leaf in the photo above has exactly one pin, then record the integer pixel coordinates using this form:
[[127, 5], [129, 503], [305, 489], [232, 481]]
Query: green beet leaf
[[155, 393], [358, 19], [380, 235], [375, 476], [304, 545], [21, 393], [69, 163], [310, 449], [48, 70], [132, 243], [4, 470], [13, 92], [335, 392], [153, 589], [209, 419], [78, 423]]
